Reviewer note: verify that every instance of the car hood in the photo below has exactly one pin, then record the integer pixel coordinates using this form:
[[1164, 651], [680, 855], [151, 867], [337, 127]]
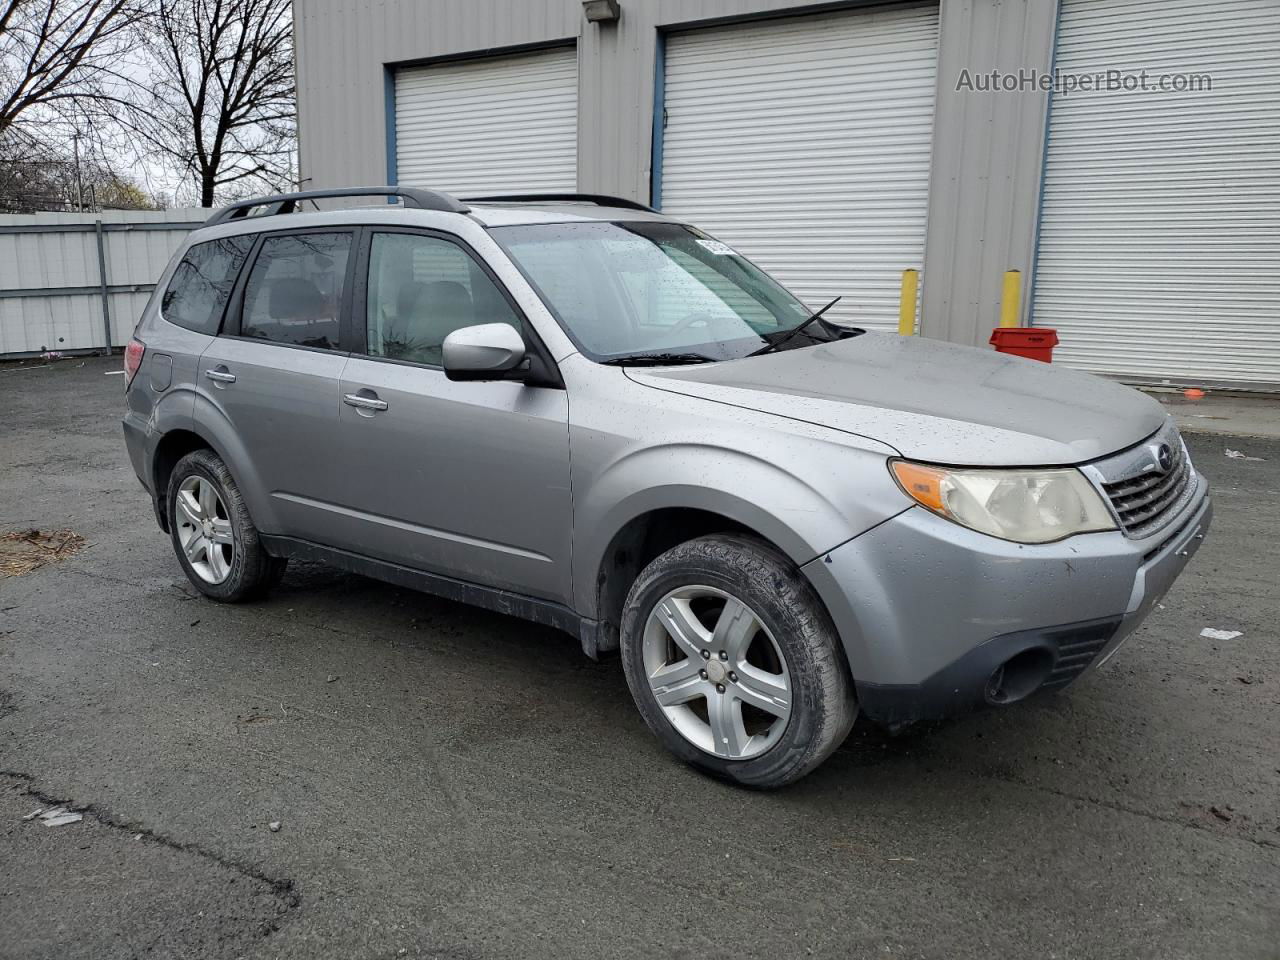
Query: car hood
[[930, 400]]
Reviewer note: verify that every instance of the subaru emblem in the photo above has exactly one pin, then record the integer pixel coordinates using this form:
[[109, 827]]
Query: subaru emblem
[[1164, 456]]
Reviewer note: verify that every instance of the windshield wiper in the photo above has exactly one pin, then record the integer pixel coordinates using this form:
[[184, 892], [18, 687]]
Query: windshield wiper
[[773, 345], [656, 359]]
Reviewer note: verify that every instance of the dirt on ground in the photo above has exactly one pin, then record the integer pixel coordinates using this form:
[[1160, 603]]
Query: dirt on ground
[[22, 551]]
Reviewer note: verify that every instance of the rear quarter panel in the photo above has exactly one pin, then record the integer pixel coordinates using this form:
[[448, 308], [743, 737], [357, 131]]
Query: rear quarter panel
[[161, 397]]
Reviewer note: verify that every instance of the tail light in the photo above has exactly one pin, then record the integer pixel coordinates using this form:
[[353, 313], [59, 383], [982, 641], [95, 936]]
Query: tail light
[[133, 359]]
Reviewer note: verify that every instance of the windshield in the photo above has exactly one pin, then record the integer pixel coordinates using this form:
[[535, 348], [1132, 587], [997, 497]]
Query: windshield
[[621, 289]]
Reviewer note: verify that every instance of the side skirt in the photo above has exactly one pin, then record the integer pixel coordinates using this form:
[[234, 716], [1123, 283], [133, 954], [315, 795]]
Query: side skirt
[[545, 612]]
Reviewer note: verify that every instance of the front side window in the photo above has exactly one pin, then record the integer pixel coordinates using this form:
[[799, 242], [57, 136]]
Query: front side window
[[650, 287], [421, 289], [202, 282], [294, 292]]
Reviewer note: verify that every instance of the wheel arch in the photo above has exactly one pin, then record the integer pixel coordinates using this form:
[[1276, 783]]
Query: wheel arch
[[172, 447], [801, 503], [651, 530], [175, 444]]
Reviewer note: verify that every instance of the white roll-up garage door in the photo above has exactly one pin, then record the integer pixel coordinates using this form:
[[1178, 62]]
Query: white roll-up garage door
[[1159, 253], [805, 144], [506, 124]]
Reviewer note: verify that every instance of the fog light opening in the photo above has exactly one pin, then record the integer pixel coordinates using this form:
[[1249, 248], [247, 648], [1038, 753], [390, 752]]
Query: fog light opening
[[1019, 676]]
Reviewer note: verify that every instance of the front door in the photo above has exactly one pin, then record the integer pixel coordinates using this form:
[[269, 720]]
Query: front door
[[470, 480], [273, 375]]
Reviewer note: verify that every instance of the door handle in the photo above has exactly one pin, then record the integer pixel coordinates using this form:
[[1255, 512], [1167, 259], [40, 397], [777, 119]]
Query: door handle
[[364, 403], [221, 374]]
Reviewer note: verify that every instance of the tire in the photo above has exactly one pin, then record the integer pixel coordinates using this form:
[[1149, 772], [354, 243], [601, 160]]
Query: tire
[[789, 635], [234, 569]]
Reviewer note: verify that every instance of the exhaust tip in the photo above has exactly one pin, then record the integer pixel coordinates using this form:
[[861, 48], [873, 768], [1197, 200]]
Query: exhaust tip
[[1019, 676]]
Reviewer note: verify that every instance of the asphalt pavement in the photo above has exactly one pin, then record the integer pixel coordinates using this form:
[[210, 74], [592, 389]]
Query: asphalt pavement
[[454, 783]]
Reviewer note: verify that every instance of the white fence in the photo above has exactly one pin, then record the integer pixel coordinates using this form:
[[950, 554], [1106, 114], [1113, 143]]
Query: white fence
[[79, 281]]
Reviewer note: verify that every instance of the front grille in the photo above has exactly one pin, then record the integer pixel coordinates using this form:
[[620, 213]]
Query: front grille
[[1141, 502]]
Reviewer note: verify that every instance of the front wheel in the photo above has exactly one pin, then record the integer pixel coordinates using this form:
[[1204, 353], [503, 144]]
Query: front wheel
[[213, 535], [734, 662]]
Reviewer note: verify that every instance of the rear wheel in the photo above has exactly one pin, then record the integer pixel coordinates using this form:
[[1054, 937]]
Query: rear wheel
[[213, 536], [734, 663]]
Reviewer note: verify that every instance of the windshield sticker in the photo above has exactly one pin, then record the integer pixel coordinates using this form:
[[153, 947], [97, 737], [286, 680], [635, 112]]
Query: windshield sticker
[[718, 248]]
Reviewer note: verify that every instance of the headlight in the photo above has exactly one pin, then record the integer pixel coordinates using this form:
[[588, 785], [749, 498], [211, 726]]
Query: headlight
[[1025, 506]]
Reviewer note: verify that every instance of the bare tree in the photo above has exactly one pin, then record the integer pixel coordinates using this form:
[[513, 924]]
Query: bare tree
[[36, 176], [56, 56], [33, 176], [219, 105]]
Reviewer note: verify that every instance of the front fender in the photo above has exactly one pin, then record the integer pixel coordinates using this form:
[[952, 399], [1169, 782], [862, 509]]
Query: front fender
[[802, 517]]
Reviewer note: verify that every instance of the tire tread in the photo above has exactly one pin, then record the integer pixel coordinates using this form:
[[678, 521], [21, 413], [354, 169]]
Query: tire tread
[[254, 572], [818, 664]]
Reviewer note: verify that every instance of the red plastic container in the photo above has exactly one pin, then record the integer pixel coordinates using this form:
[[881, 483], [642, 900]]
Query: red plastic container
[[1034, 343]]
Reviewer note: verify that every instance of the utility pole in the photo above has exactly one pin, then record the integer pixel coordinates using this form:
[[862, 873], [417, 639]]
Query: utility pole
[[75, 146]]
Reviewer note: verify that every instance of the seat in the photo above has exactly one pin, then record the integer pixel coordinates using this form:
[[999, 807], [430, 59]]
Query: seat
[[300, 313], [429, 312], [294, 298]]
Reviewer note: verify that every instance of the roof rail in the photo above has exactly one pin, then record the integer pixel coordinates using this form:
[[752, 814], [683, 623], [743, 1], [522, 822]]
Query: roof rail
[[599, 199], [413, 197]]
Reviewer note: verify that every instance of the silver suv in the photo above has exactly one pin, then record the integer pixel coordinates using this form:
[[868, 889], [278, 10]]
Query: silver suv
[[573, 409]]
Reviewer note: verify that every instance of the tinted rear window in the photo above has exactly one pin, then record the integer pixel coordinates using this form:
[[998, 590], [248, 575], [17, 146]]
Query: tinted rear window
[[294, 291], [199, 289]]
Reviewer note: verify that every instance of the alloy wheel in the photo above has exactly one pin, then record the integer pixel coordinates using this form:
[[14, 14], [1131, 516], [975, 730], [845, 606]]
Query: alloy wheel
[[717, 672], [204, 529]]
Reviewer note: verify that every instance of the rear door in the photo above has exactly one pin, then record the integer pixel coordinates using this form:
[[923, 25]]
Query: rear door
[[470, 480], [271, 378]]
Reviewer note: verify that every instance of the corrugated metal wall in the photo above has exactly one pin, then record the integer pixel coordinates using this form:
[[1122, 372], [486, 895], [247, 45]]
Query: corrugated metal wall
[[1160, 243], [987, 150], [42, 253], [343, 47], [844, 214], [495, 125]]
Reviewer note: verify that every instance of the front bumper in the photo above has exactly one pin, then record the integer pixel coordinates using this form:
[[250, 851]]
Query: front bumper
[[929, 611]]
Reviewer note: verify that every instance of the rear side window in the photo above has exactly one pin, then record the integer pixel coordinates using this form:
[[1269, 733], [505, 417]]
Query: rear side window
[[200, 286], [294, 291]]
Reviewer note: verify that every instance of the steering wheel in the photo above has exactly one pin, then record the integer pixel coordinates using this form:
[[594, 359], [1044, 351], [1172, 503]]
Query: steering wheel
[[705, 317]]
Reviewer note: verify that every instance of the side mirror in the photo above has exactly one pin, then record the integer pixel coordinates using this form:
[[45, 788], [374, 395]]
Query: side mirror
[[490, 351]]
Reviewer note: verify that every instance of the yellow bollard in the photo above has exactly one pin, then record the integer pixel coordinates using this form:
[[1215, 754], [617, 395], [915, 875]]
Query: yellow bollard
[[907, 303], [1011, 299]]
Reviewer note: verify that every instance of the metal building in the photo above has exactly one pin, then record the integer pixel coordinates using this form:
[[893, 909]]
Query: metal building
[[840, 143]]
